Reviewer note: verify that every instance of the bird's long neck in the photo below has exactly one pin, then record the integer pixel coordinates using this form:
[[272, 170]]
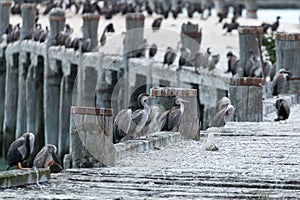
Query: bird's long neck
[[145, 106], [181, 105]]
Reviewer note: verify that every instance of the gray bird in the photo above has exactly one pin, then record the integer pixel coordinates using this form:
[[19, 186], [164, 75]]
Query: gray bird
[[233, 63], [282, 110], [20, 150], [152, 50], [169, 56], [221, 117], [222, 103], [279, 81], [174, 116], [47, 157]]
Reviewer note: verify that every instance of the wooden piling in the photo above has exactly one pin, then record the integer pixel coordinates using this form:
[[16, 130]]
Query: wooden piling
[[91, 131], [287, 56], [191, 37], [66, 91], [10, 103], [52, 81], [245, 95], [90, 28], [4, 18], [248, 41], [219, 6], [251, 8], [190, 122]]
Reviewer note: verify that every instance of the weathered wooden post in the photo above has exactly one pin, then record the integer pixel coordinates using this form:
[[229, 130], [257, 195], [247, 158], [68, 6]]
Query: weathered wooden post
[[190, 122], [28, 21], [90, 28], [66, 90], [91, 132], [52, 81], [245, 95], [4, 18], [248, 40], [251, 8], [287, 56], [191, 37], [219, 6], [134, 38]]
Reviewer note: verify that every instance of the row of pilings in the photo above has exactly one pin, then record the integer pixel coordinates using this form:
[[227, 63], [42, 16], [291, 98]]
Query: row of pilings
[[37, 79]]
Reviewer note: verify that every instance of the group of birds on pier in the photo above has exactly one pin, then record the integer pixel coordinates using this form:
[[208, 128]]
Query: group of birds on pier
[[148, 118], [21, 150]]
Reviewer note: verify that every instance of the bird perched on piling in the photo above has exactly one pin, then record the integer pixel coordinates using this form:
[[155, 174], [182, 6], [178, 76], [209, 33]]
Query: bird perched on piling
[[156, 24], [108, 29], [152, 50], [233, 63], [20, 150], [222, 116], [47, 157], [174, 116], [275, 25], [279, 81], [282, 110], [169, 56]]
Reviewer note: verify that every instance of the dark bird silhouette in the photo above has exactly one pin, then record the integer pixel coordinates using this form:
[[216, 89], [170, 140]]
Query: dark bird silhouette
[[282, 110], [16, 9], [233, 63], [275, 25], [108, 28], [47, 157], [156, 24], [184, 56], [231, 26], [221, 117], [174, 116], [20, 150], [265, 27], [279, 81], [169, 56], [152, 50], [224, 14]]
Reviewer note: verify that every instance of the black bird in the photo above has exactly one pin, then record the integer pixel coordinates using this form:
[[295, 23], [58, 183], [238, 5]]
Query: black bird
[[233, 63], [174, 116], [282, 110], [47, 157], [156, 24], [275, 26], [169, 56], [224, 14], [279, 81], [152, 50], [44, 34], [184, 57], [16, 9], [265, 27], [20, 150], [108, 28], [231, 26]]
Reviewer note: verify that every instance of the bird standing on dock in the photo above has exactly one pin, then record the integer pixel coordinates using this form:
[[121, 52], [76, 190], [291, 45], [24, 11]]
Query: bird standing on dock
[[174, 116], [282, 110], [222, 116], [222, 103], [279, 81], [20, 150], [47, 157], [156, 24], [169, 56], [152, 50]]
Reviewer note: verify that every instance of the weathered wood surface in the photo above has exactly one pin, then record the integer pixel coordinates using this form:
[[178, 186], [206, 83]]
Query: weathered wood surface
[[255, 160], [287, 52], [251, 8]]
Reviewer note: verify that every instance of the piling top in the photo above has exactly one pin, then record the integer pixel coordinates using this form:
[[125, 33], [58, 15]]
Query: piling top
[[170, 92], [28, 6], [56, 12], [90, 17], [247, 81], [250, 29], [91, 111], [287, 36], [5, 3], [135, 16]]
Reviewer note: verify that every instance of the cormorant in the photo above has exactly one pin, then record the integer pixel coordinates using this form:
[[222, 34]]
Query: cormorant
[[279, 81], [152, 50], [156, 24], [282, 110], [20, 150], [169, 56]]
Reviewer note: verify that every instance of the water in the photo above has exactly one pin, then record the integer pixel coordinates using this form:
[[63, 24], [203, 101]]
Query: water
[[291, 16]]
